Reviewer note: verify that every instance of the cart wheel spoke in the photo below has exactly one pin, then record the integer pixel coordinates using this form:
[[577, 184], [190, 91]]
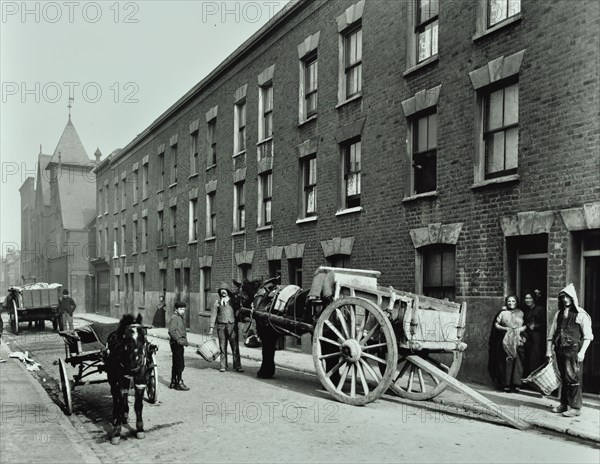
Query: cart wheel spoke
[[353, 381], [370, 370], [335, 330], [421, 381], [367, 337], [342, 320], [330, 355], [363, 380], [335, 368], [374, 358], [352, 322], [330, 341], [411, 377], [377, 345], [343, 377]]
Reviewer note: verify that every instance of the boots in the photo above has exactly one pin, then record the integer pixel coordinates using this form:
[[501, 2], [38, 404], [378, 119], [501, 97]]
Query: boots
[[174, 382], [181, 386]]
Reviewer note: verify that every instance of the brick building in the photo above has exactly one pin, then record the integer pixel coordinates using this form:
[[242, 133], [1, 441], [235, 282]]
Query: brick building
[[454, 149], [55, 212]]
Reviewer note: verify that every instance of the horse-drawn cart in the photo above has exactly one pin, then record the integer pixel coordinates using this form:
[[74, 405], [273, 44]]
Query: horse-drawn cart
[[86, 349], [33, 303], [369, 339]]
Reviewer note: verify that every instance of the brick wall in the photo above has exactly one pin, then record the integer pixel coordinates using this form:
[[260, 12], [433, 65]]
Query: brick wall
[[558, 152]]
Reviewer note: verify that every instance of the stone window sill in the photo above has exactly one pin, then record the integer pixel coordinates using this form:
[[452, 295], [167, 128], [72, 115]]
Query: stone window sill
[[193, 242], [356, 209], [123, 256], [105, 213], [307, 120], [422, 64], [513, 19], [174, 184], [264, 228], [145, 198], [172, 245], [160, 191], [418, 196], [496, 181], [208, 168], [241, 153], [134, 203], [239, 232], [193, 175], [268, 139], [358, 96], [210, 239], [307, 219]]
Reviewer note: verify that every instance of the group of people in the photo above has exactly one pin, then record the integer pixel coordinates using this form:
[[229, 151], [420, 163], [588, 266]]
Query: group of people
[[224, 314], [519, 344]]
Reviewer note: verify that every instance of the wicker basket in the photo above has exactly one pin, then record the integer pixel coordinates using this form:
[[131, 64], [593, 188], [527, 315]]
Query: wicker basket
[[209, 350], [546, 378]]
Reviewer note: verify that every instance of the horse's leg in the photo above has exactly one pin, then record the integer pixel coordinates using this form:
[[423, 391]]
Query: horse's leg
[[115, 435], [139, 406], [125, 400], [269, 339]]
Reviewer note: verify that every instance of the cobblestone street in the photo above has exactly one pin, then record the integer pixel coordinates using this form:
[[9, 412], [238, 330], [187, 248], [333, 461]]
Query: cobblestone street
[[233, 417]]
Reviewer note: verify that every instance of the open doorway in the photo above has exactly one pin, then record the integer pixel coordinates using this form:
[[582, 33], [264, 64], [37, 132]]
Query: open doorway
[[590, 300], [527, 265]]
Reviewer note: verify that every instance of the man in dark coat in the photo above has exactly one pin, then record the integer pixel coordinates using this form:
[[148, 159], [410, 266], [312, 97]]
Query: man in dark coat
[[178, 339]]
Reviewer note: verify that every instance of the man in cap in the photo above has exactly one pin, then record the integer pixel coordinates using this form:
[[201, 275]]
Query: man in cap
[[66, 308], [224, 314], [178, 339]]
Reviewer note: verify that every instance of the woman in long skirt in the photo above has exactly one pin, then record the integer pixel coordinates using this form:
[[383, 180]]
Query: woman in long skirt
[[506, 346]]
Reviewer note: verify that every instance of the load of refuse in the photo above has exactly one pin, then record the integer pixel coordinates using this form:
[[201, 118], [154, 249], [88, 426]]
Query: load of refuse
[[30, 364], [35, 286]]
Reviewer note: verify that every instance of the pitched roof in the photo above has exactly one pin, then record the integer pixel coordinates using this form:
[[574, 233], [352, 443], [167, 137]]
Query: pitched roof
[[43, 177], [77, 200], [70, 148]]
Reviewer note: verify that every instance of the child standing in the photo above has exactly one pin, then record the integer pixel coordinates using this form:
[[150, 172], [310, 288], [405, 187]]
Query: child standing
[[178, 339]]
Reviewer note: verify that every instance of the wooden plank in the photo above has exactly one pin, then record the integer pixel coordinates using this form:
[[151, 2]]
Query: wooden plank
[[489, 405]]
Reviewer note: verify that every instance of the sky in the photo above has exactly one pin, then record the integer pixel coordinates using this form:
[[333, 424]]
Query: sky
[[123, 62]]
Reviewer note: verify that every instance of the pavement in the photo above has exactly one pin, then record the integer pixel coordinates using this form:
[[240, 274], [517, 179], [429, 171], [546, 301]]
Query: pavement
[[527, 406], [32, 427]]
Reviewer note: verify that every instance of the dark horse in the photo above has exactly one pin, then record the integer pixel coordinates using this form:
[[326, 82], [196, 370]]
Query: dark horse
[[127, 360], [259, 296]]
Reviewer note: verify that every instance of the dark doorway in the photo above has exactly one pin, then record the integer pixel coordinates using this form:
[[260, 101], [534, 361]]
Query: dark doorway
[[591, 303]]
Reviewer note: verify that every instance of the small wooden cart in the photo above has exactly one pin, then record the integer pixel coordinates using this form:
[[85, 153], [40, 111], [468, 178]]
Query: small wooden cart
[[85, 349], [33, 303]]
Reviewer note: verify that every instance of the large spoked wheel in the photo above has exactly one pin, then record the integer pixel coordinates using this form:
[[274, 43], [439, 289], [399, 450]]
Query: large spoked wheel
[[152, 385], [65, 386], [14, 318], [347, 340], [414, 383]]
